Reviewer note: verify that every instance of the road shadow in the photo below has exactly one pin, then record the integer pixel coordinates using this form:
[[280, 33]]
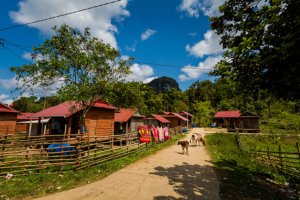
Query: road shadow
[[190, 181]]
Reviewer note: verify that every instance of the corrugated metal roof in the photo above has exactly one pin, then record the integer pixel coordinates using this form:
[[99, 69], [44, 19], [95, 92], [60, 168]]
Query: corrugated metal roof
[[160, 118], [173, 114], [25, 116], [6, 109], [186, 114], [228, 114], [125, 114], [180, 117], [68, 108]]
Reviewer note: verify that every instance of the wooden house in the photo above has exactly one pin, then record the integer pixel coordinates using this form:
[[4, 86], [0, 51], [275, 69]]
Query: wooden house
[[248, 122], [8, 119], [227, 119], [127, 121], [175, 119], [234, 121], [156, 120], [188, 116], [64, 119]]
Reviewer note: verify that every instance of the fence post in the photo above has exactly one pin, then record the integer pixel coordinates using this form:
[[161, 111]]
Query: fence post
[[280, 157], [78, 150], [112, 143], [297, 144], [89, 150], [61, 158], [268, 150]]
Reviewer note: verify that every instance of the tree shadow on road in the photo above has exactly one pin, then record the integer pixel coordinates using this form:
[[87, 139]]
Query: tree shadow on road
[[190, 181]]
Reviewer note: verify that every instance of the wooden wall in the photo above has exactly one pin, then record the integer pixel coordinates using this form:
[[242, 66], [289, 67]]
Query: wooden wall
[[8, 123], [100, 122], [173, 121]]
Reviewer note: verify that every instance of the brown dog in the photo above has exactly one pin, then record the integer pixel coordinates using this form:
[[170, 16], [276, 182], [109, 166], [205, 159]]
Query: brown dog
[[185, 145]]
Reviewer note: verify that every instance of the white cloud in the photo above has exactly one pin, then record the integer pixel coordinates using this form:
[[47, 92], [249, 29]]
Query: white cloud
[[132, 48], [191, 7], [37, 90], [209, 46], [147, 34], [207, 7], [8, 84], [194, 72], [4, 98], [98, 19], [141, 73], [148, 80]]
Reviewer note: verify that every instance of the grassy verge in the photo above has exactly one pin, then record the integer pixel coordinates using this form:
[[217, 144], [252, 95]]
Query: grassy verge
[[242, 177], [33, 186]]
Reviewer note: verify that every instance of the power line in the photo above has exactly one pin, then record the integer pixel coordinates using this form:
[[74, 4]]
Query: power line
[[135, 61], [65, 14]]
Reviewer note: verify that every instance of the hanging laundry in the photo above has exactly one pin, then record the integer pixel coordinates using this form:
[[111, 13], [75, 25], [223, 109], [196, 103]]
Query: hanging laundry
[[166, 133], [160, 134], [154, 132], [145, 135]]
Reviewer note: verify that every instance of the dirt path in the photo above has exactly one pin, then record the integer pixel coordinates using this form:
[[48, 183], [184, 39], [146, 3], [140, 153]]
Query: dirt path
[[165, 175]]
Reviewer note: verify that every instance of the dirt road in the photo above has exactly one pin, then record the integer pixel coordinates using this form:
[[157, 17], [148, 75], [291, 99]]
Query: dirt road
[[165, 175]]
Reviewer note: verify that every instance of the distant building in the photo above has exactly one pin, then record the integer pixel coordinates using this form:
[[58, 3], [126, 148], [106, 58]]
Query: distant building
[[234, 121], [156, 120], [127, 121], [8, 119], [175, 119]]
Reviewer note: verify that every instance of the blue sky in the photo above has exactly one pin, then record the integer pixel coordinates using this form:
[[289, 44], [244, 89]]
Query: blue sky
[[171, 32]]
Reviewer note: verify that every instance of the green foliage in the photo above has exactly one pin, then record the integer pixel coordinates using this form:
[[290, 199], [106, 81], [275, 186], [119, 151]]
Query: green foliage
[[204, 113], [80, 64], [261, 39], [241, 176], [33, 104]]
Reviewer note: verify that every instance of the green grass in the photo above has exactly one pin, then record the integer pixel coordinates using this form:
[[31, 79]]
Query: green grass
[[33, 186], [241, 176]]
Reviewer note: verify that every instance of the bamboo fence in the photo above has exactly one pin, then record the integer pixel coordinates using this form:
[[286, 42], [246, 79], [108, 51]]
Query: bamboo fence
[[23, 155], [282, 160]]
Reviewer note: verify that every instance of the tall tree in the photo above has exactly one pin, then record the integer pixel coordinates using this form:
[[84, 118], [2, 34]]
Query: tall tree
[[84, 65], [262, 40]]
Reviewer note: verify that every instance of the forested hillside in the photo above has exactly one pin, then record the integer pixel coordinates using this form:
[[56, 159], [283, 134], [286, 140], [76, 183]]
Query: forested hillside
[[202, 98]]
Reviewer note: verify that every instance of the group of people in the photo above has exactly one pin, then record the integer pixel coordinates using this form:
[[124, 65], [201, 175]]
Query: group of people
[[159, 134]]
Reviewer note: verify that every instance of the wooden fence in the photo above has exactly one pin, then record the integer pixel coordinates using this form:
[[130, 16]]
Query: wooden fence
[[21, 155], [283, 160]]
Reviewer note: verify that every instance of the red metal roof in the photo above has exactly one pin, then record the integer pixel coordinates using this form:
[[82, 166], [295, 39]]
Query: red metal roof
[[6, 109], [228, 114], [186, 114], [25, 116], [160, 118], [173, 114], [68, 108], [166, 113], [125, 114]]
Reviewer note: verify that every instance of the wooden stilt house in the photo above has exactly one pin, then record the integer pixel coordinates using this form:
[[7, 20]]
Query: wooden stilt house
[[64, 119], [175, 119]]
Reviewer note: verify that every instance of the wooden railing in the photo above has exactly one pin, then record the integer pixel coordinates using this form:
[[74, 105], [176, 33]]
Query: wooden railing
[[21, 155]]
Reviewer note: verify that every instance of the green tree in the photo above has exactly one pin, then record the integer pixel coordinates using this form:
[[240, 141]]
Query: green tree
[[203, 113], [262, 40], [85, 66]]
